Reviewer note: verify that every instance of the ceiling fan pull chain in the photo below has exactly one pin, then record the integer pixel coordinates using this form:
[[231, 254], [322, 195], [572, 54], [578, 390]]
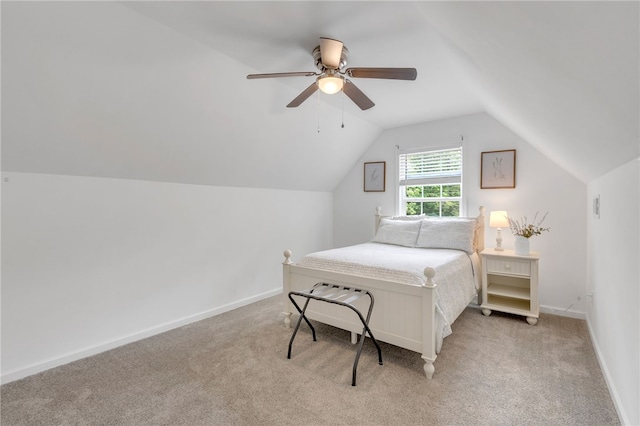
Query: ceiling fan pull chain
[[342, 109], [318, 111]]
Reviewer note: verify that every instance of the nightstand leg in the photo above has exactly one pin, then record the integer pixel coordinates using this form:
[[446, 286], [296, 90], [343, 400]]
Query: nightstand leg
[[532, 320], [486, 312]]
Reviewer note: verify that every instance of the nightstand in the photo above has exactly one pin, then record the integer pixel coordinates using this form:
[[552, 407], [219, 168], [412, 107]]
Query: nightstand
[[510, 283]]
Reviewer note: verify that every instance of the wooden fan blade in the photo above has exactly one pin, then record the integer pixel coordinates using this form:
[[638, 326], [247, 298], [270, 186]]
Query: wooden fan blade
[[330, 52], [386, 73], [356, 95], [282, 74], [303, 96]]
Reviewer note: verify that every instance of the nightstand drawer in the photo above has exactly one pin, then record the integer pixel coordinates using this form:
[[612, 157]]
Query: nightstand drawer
[[509, 266]]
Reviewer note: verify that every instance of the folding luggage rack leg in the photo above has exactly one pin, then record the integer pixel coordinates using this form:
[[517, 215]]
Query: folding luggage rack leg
[[339, 295]]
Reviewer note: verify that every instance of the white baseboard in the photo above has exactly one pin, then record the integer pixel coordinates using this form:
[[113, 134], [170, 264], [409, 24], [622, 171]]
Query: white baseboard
[[94, 350], [563, 312], [547, 310], [607, 378]]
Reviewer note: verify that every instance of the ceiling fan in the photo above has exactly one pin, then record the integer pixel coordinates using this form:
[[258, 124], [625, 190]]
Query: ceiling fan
[[331, 58]]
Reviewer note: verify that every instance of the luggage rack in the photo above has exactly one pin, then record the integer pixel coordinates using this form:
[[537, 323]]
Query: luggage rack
[[339, 295]]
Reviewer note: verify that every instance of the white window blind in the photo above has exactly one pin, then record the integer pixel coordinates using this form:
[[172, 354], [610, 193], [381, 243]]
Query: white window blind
[[431, 167]]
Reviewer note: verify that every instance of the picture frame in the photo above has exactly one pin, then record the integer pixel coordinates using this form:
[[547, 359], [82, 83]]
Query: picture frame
[[375, 176], [498, 169]]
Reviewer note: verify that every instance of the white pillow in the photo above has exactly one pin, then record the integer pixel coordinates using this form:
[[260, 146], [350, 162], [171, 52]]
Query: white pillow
[[449, 233], [398, 232]]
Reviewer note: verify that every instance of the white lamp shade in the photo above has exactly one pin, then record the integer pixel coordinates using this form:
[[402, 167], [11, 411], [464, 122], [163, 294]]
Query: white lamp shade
[[498, 219], [330, 85]]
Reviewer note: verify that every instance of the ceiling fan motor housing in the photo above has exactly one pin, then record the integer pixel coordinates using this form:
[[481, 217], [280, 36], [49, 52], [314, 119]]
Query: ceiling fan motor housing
[[317, 57]]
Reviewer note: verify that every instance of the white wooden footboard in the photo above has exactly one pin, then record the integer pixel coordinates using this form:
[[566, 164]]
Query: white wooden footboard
[[403, 314]]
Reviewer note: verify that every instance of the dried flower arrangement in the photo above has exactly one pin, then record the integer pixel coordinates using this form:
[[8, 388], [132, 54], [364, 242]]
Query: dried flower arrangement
[[527, 230]]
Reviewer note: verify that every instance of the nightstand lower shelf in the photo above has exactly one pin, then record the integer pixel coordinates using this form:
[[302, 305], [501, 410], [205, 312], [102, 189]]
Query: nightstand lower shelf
[[508, 291], [518, 306]]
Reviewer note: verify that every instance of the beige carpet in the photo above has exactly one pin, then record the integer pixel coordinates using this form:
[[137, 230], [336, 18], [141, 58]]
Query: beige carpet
[[232, 370]]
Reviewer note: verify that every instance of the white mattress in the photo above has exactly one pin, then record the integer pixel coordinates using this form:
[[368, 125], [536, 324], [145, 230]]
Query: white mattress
[[457, 273]]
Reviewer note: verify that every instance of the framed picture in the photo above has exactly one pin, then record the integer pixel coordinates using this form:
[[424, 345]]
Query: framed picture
[[375, 176], [498, 169]]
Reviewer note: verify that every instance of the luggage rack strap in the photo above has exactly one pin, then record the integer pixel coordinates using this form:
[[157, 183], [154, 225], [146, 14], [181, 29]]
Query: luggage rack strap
[[332, 292], [339, 295]]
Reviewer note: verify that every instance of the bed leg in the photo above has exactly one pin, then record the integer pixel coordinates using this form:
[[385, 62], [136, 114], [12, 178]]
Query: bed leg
[[286, 288], [429, 369], [354, 337], [287, 319], [429, 333]]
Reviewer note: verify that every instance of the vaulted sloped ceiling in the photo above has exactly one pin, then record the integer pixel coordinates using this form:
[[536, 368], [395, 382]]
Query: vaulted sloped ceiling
[[157, 90], [563, 75]]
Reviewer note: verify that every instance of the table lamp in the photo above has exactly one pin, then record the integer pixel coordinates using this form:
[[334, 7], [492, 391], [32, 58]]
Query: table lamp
[[499, 219]]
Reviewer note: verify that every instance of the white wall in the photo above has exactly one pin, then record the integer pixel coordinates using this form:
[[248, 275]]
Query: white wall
[[541, 185], [92, 263], [613, 277]]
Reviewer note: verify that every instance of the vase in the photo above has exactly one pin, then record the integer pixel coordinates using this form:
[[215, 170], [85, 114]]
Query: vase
[[522, 246]]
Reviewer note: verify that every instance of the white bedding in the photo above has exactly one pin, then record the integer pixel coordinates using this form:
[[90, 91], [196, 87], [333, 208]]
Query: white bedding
[[457, 273]]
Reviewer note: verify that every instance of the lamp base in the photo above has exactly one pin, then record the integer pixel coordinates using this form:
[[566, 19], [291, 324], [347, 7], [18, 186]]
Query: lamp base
[[499, 240]]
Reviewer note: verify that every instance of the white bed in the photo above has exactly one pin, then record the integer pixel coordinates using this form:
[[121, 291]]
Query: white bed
[[422, 272]]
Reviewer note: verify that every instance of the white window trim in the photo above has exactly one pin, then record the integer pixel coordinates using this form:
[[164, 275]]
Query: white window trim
[[399, 152]]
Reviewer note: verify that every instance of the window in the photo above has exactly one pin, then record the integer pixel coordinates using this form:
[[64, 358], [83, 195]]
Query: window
[[431, 182]]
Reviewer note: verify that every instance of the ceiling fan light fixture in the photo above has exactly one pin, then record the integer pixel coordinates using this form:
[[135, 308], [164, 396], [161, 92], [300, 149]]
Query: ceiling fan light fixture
[[330, 84]]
